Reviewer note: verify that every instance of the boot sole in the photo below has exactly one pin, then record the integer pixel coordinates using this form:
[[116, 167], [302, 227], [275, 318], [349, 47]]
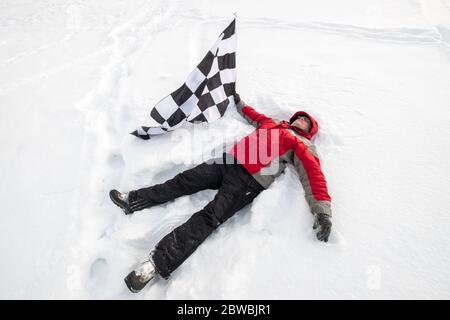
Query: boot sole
[[127, 282], [117, 203], [130, 285]]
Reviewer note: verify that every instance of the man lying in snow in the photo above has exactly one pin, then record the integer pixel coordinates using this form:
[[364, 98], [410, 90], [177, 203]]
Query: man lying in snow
[[239, 177]]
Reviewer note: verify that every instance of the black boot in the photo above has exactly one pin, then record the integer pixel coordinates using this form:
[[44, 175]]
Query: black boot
[[137, 279], [121, 200]]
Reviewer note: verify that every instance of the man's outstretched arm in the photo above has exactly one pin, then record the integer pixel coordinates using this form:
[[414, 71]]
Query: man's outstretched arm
[[313, 181], [248, 113]]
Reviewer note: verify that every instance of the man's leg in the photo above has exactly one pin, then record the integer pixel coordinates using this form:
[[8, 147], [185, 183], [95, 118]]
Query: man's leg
[[202, 177], [238, 190]]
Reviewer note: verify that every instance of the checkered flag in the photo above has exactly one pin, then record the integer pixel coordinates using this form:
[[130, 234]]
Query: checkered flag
[[205, 95]]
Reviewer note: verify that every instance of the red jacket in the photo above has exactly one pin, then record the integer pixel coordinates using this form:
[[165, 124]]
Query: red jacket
[[266, 151]]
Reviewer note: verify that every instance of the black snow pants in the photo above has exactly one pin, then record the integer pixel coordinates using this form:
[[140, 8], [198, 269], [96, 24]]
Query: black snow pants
[[236, 188]]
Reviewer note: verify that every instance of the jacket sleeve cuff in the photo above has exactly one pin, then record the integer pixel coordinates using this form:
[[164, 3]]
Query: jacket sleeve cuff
[[321, 207]]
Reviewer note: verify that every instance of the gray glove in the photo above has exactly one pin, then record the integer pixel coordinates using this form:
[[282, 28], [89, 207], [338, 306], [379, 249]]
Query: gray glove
[[324, 224], [237, 98]]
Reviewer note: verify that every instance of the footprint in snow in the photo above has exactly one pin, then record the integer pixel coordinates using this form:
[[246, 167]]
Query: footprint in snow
[[116, 160], [98, 273]]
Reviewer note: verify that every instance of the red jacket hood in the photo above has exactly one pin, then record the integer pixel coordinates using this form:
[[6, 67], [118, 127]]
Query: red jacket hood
[[314, 126]]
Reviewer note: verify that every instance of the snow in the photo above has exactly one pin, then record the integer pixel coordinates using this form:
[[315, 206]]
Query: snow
[[77, 76]]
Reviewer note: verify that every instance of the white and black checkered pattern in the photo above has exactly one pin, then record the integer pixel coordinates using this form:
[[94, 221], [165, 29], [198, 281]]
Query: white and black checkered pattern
[[205, 95]]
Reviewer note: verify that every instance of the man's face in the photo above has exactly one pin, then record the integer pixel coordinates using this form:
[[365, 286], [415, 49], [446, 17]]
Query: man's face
[[303, 123]]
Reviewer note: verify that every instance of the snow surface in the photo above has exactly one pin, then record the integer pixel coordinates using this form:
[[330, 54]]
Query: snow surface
[[77, 76]]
